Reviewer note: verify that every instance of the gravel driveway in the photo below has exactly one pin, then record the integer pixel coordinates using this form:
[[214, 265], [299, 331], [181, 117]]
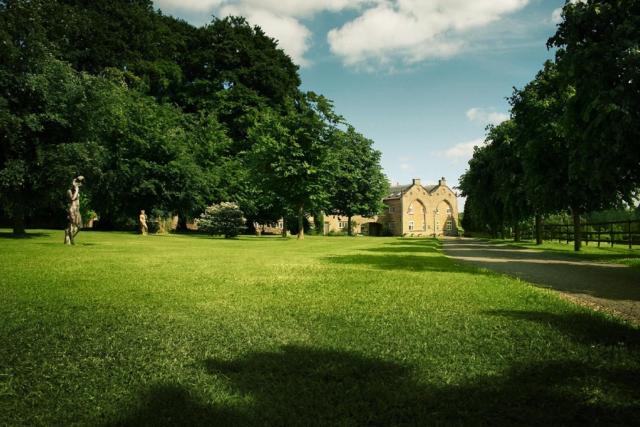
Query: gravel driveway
[[612, 287]]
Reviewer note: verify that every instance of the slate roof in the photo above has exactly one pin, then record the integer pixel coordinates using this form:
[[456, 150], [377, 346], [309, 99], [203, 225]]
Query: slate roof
[[396, 191]]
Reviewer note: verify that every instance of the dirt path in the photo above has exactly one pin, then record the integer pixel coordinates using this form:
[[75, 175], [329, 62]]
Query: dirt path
[[612, 287]]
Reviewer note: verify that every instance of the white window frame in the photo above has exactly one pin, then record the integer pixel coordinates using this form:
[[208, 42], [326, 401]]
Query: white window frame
[[411, 225]]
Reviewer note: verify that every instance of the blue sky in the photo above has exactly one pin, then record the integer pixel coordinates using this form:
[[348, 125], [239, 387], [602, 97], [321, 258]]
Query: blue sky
[[422, 78]]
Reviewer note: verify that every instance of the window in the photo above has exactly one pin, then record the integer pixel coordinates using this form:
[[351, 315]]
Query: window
[[280, 224], [343, 224], [449, 225], [411, 225], [410, 211], [391, 209], [449, 210]]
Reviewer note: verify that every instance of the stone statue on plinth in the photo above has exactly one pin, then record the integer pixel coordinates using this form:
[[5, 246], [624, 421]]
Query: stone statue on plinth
[[73, 213], [144, 229]]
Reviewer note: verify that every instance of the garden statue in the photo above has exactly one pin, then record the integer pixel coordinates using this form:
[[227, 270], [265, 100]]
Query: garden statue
[[73, 213], [144, 229]]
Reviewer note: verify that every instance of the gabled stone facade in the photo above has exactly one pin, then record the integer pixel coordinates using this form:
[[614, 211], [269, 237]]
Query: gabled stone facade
[[410, 210]]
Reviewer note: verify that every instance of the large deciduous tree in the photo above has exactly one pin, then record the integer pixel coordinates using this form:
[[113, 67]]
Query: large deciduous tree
[[158, 158], [358, 181], [44, 129], [538, 111], [599, 56], [494, 182], [290, 154], [480, 185]]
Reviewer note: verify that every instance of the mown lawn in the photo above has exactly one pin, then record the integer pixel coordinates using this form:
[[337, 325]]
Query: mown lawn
[[189, 330], [618, 254]]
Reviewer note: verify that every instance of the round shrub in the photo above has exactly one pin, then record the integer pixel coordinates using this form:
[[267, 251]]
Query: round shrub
[[224, 219]]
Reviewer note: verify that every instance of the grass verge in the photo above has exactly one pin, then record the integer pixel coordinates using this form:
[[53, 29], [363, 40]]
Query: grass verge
[[616, 255]]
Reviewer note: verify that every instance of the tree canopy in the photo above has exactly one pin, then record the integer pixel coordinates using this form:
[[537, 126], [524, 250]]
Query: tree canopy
[[574, 134], [157, 114]]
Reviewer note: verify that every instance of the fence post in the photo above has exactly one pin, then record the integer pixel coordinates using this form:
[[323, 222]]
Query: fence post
[[599, 229], [611, 233], [586, 235], [567, 236], [629, 233]]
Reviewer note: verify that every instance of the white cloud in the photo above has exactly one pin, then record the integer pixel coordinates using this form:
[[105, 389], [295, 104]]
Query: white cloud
[[462, 151], [188, 5], [383, 32], [414, 30], [279, 19], [486, 116], [296, 8], [556, 16]]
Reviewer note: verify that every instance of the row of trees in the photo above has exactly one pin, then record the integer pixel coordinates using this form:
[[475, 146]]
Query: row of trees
[[572, 143], [160, 115]]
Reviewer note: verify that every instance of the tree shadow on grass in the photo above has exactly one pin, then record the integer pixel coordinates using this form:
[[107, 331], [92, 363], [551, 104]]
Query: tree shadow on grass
[[586, 328], [409, 246], [62, 244], [430, 243], [10, 235], [175, 405], [405, 262], [307, 386], [404, 249]]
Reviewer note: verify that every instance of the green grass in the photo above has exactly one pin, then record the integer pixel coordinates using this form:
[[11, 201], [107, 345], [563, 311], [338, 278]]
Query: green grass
[[619, 254], [189, 330]]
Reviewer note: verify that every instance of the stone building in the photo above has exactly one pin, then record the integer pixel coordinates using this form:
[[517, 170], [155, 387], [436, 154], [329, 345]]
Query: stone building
[[410, 210]]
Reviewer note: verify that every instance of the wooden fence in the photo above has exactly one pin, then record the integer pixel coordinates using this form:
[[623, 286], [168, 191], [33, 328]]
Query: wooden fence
[[609, 233]]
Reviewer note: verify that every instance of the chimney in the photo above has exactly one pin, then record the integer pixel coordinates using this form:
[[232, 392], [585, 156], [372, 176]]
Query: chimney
[[442, 181], [416, 181]]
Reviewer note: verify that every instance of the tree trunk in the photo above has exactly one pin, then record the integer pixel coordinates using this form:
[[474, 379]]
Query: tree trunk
[[18, 222], [182, 223], [349, 231], [301, 222], [284, 227], [516, 232], [538, 229], [577, 230]]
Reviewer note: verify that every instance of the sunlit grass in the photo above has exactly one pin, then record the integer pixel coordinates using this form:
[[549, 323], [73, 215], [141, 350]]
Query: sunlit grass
[[190, 330]]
